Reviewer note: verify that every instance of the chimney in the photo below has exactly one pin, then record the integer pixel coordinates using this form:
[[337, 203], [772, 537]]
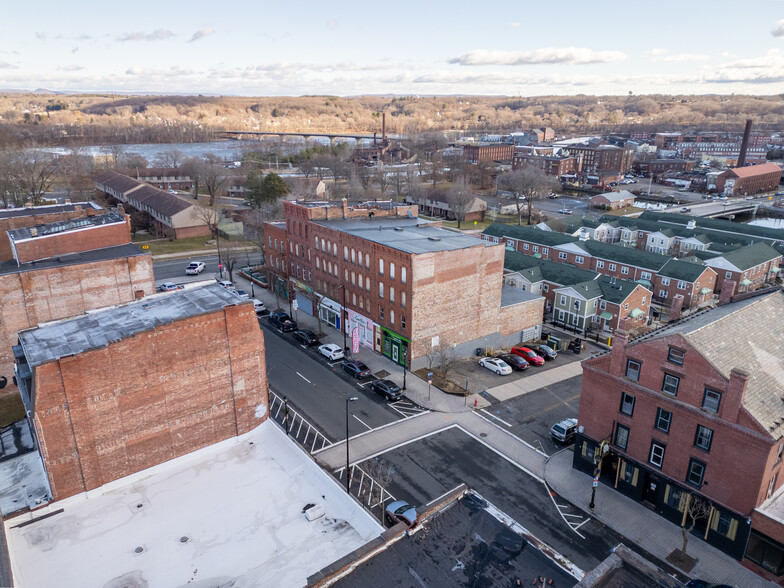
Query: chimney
[[676, 309], [618, 354], [727, 291], [736, 391], [344, 202], [692, 224], [33, 231], [744, 144], [384, 126]]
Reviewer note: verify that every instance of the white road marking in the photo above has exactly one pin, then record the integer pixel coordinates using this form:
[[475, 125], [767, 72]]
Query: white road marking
[[303, 377], [581, 524], [360, 420], [492, 416]]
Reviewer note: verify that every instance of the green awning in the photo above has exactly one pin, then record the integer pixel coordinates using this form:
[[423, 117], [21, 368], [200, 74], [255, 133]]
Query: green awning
[[636, 313], [537, 255], [606, 315], [646, 283], [705, 290], [775, 269], [746, 282]]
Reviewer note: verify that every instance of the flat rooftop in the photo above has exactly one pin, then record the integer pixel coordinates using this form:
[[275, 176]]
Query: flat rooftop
[[118, 251], [226, 515], [411, 235], [47, 209], [74, 224], [352, 204], [95, 330], [510, 296]]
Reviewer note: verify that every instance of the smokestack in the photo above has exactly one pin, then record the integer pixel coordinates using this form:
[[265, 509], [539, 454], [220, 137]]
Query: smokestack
[[384, 126], [744, 144]]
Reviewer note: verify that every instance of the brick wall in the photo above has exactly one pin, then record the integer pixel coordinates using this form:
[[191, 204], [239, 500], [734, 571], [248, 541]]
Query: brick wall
[[521, 316], [133, 404], [86, 239], [42, 295], [35, 218]]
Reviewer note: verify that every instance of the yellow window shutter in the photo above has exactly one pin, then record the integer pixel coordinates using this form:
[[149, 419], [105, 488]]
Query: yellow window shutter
[[634, 477], [714, 524], [710, 522], [585, 448], [623, 469], [733, 529], [684, 501], [666, 493]]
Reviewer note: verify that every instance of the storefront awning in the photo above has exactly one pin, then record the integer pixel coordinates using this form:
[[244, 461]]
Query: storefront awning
[[606, 315], [636, 313], [745, 282]]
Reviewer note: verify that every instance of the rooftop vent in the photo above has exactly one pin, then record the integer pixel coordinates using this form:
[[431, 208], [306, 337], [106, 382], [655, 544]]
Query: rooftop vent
[[400, 229], [434, 238]]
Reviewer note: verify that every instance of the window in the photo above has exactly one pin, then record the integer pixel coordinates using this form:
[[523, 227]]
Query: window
[[562, 255], [711, 400], [676, 356], [367, 283], [536, 249], [392, 317], [621, 436], [354, 256], [633, 370], [525, 246], [603, 305], [546, 287], [662, 293], [354, 299], [703, 438], [511, 244], [663, 420], [627, 403], [599, 265], [728, 275], [545, 250], [577, 305], [381, 266], [612, 267], [403, 299], [665, 281], [780, 451], [670, 384], [367, 260], [656, 456], [626, 306], [391, 294], [402, 321], [335, 249], [402, 275], [345, 252], [381, 289], [381, 313], [681, 285], [563, 300], [696, 472], [629, 473], [624, 270], [771, 485], [645, 275], [675, 497], [643, 300], [391, 271], [579, 259]]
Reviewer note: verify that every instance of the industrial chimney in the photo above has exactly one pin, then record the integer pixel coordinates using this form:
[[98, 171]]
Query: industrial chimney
[[384, 126], [744, 144]]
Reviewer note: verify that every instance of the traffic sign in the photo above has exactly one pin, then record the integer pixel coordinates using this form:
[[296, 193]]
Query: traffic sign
[[220, 266], [429, 374], [595, 483], [429, 382], [294, 304]]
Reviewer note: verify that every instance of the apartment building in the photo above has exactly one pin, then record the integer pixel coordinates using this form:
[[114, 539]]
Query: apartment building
[[552, 165], [486, 152]]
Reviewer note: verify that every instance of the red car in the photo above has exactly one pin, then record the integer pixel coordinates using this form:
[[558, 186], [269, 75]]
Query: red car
[[528, 355]]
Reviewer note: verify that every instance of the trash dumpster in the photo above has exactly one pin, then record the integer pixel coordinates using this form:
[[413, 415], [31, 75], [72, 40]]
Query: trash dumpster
[[479, 352], [554, 343]]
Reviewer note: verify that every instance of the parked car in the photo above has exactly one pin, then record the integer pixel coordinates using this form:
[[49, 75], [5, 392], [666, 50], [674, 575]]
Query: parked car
[[565, 211], [528, 355], [356, 368], [401, 511], [705, 584], [195, 268], [282, 322], [514, 361], [496, 365], [259, 307], [749, 197], [545, 351], [685, 209], [170, 287], [331, 351], [226, 284], [242, 294], [387, 388], [553, 196], [306, 337], [564, 431]]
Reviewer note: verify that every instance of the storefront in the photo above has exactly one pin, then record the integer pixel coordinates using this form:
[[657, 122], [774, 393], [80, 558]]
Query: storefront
[[365, 328], [329, 312], [304, 296], [395, 346]]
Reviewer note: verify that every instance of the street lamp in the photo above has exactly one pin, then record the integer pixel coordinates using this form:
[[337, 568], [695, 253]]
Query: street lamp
[[405, 361], [343, 316], [286, 405], [348, 482]]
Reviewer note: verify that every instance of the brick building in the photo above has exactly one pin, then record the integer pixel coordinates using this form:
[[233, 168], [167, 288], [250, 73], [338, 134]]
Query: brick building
[[753, 179], [657, 167], [749, 267], [613, 200], [69, 236], [165, 178], [123, 389], [596, 157], [484, 152], [682, 414], [552, 165], [28, 216], [402, 283]]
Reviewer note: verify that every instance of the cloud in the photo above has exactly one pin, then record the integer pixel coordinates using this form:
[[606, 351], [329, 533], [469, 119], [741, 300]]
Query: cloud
[[71, 68], [332, 24], [75, 49], [686, 57], [766, 69], [6, 65], [548, 55], [201, 33], [173, 71], [656, 51], [514, 25], [156, 35], [40, 36], [778, 30]]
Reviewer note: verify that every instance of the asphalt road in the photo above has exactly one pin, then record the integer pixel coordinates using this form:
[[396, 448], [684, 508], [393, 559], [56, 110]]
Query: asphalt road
[[173, 270]]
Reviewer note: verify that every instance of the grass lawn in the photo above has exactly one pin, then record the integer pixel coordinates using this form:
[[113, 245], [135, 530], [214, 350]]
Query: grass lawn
[[11, 409], [624, 211], [163, 246]]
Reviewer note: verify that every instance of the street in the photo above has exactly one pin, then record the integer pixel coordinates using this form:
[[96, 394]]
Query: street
[[173, 270]]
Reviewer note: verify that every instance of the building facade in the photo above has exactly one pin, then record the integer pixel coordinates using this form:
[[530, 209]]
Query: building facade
[[753, 179], [485, 152]]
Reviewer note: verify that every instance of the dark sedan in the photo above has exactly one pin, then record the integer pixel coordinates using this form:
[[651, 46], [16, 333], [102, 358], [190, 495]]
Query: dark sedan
[[544, 351], [356, 369], [515, 361], [387, 388], [306, 337]]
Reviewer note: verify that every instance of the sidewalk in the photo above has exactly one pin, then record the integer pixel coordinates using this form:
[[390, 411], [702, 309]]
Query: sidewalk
[[654, 533]]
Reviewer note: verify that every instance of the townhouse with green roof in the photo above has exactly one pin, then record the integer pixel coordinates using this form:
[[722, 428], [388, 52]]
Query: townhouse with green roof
[[692, 280], [749, 267]]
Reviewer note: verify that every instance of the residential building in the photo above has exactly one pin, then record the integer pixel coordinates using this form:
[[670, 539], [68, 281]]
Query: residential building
[[165, 178], [601, 303], [486, 152], [693, 282], [749, 268], [28, 216], [753, 179], [596, 156], [552, 165], [120, 390], [657, 167], [692, 412], [401, 283], [613, 200], [437, 203]]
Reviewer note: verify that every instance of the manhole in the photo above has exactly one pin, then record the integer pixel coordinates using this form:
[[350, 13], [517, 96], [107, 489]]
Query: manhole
[[483, 434], [139, 549], [184, 539], [139, 505]]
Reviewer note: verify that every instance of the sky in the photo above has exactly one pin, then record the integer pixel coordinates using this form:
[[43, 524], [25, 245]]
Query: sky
[[519, 48]]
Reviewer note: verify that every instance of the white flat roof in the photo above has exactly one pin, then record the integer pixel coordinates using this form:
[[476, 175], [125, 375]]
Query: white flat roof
[[238, 502]]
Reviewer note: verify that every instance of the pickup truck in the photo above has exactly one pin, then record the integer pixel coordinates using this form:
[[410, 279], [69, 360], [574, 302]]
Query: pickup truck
[[282, 322]]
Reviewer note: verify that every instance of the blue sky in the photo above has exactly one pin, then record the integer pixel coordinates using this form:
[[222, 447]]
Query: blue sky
[[426, 47]]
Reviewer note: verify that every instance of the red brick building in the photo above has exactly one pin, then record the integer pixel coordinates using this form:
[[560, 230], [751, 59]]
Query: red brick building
[[552, 165], [484, 152], [19, 218], [749, 267], [401, 282], [693, 412], [118, 391], [656, 167], [752, 179], [165, 178]]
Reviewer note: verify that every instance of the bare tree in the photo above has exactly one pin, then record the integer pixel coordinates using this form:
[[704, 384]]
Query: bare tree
[[116, 150], [133, 161], [9, 188], [211, 216], [383, 179], [170, 158], [230, 256], [254, 220], [35, 173], [214, 181], [446, 358], [194, 168], [364, 175], [76, 169], [413, 181], [695, 510], [460, 198], [527, 185]]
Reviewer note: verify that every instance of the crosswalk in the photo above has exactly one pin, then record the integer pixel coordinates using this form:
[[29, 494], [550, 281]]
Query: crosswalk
[[407, 408]]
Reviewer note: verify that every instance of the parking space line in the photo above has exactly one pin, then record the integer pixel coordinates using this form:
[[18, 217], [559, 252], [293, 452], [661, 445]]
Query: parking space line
[[360, 420], [303, 377], [492, 416], [362, 385]]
